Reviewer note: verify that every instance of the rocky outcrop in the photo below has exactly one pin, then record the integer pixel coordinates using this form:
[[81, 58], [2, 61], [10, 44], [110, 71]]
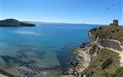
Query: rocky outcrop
[[104, 54], [14, 23], [108, 43]]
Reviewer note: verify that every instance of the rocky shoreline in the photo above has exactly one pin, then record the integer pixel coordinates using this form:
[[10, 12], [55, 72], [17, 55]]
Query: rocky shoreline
[[83, 58], [86, 55]]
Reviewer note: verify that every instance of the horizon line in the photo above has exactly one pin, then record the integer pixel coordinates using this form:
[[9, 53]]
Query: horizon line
[[52, 22]]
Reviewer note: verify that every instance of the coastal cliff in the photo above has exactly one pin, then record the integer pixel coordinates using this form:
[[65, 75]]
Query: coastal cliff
[[103, 57], [107, 43], [14, 23]]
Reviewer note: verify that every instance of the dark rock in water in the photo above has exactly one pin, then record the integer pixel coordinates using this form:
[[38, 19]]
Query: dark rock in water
[[9, 60], [65, 56], [74, 63], [14, 23], [82, 46], [65, 73]]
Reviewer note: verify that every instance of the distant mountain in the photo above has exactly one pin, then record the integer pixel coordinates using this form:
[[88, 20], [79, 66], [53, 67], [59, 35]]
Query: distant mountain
[[14, 23]]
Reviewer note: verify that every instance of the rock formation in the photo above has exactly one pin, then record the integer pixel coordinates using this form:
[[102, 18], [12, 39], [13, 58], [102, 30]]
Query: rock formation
[[104, 56]]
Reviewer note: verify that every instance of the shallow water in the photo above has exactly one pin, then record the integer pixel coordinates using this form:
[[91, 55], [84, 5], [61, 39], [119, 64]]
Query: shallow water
[[42, 50]]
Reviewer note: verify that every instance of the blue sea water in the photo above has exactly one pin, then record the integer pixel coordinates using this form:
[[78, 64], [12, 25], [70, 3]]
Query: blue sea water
[[44, 49]]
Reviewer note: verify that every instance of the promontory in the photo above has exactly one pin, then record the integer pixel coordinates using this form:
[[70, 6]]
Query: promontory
[[14, 23], [102, 55]]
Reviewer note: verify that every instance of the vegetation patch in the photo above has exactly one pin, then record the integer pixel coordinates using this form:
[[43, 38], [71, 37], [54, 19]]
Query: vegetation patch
[[105, 63], [109, 32], [117, 73]]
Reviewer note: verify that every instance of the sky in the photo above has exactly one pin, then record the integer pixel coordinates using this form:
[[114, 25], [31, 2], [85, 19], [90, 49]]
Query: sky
[[63, 11]]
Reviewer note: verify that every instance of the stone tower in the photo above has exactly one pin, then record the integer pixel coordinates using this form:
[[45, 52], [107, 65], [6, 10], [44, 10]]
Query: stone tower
[[115, 22]]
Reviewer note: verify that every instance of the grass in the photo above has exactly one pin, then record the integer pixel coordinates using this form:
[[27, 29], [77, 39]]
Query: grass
[[117, 73], [109, 32], [105, 63]]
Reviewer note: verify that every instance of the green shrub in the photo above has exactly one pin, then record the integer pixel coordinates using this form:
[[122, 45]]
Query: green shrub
[[117, 30], [106, 63], [118, 73]]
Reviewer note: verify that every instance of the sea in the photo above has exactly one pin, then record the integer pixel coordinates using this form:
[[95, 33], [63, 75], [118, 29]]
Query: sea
[[40, 51]]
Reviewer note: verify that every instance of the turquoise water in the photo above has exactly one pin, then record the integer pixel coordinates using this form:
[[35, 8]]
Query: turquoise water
[[42, 50]]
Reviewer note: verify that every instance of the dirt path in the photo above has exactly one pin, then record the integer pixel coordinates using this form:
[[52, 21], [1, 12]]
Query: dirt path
[[119, 52], [121, 60]]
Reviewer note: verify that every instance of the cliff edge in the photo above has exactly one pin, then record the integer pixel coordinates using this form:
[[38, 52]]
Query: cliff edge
[[103, 55], [106, 52]]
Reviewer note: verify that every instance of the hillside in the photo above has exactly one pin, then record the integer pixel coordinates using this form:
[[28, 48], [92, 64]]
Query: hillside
[[109, 32], [107, 62], [104, 55], [14, 23], [104, 52]]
